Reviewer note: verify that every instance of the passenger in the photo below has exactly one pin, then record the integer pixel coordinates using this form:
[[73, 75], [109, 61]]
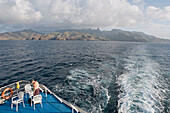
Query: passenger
[[36, 87]]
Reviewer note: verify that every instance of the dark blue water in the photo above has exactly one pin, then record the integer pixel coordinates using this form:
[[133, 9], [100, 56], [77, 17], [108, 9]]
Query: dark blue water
[[99, 77]]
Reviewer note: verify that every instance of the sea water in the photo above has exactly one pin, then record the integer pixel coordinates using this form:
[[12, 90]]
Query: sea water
[[97, 76]]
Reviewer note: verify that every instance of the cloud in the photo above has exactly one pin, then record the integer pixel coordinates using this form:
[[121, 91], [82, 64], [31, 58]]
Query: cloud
[[158, 14], [49, 15], [68, 13], [137, 1], [18, 12]]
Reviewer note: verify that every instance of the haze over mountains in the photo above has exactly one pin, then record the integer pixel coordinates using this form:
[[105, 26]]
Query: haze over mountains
[[82, 34]]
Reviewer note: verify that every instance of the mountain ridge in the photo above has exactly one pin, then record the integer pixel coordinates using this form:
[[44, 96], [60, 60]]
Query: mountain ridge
[[82, 34]]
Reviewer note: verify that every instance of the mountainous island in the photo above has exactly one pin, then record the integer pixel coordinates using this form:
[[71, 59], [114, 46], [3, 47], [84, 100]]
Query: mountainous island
[[81, 34]]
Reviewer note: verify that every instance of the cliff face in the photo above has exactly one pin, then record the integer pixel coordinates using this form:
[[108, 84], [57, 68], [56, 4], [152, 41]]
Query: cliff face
[[20, 35], [33, 35], [120, 35], [67, 35], [81, 34]]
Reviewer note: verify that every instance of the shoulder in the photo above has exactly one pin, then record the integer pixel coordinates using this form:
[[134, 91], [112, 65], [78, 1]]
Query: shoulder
[[36, 82]]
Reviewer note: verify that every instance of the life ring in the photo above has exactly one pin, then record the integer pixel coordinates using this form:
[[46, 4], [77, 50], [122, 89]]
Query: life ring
[[3, 93]]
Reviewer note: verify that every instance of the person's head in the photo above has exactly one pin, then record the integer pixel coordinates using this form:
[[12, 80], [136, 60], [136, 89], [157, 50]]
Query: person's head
[[32, 81]]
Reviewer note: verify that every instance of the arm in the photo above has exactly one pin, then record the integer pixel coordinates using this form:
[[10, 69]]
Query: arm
[[36, 85]]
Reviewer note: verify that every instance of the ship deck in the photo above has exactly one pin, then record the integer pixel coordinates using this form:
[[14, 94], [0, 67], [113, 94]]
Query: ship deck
[[50, 105]]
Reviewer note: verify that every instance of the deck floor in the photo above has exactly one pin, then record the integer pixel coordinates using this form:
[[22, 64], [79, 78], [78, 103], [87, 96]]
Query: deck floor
[[50, 105]]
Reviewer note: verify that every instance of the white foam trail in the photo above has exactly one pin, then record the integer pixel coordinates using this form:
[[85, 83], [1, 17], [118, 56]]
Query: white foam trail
[[140, 86], [92, 86]]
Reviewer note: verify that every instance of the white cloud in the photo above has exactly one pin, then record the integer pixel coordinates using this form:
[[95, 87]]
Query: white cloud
[[17, 12], [157, 13], [69, 13], [49, 15], [137, 1]]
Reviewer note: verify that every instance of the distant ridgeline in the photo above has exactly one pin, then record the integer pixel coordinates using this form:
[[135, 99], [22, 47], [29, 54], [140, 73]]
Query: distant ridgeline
[[81, 34]]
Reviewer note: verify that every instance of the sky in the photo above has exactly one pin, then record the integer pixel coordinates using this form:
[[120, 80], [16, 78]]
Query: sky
[[149, 16]]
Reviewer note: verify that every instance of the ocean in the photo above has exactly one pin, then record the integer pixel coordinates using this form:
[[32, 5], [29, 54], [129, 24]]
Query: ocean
[[97, 76]]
